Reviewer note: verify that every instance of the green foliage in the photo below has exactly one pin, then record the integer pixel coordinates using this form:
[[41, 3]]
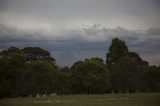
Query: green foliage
[[22, 77], [63, 83], [10, 51], [36, 53], [32, 71], [137, 58], [128, 75], [153, 78], [90, 76], [11, 69], [127, 68], [117, 50], [43, 76]]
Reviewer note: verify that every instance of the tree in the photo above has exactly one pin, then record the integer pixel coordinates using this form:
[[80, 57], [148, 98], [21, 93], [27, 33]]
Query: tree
[[137, 58], [97, 59], [43, 77], [153, 79], [36, 53], [9, 51], [128, 75], [22, 77], [63, 84], [117, 49], [90, 76], [11, 70]]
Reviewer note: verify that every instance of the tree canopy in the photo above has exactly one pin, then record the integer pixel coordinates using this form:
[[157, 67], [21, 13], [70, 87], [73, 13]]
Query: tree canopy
[[33, 71], [117, 49], [90, 76]]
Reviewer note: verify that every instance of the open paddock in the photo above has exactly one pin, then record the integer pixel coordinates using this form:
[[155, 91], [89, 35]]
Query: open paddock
[[139, 99]]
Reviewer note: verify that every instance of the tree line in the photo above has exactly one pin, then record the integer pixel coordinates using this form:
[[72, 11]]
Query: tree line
[[32, 71]]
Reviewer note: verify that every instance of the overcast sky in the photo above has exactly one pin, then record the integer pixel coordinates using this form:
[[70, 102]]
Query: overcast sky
[[78, 29]]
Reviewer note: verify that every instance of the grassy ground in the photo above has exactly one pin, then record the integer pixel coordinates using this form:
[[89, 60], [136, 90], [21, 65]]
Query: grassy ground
[[150, 99]]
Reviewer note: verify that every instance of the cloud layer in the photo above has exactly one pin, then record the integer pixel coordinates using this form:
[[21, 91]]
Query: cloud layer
[[84, 41], [76, 29]]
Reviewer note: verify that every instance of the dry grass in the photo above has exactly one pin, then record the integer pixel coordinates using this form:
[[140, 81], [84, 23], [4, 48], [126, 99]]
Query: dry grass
[[141, 99]]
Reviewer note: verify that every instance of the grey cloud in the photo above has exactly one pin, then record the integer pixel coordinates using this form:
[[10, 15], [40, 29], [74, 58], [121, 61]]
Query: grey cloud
[[126, 13], [81, 6], [87, 41], [95, 35], [75, 29]]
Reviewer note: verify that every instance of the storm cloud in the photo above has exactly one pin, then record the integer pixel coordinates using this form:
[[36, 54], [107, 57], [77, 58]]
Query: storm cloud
[[78, 29]]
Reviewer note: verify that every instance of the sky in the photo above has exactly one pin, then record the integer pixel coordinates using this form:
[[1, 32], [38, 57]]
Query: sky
[[76, 29]]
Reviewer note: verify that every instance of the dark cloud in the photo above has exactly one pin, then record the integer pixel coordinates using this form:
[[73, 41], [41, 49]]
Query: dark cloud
[[87, 41], [75, 29]]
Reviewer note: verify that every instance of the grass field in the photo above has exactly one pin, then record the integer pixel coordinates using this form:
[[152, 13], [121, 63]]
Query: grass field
[[148, 99]]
